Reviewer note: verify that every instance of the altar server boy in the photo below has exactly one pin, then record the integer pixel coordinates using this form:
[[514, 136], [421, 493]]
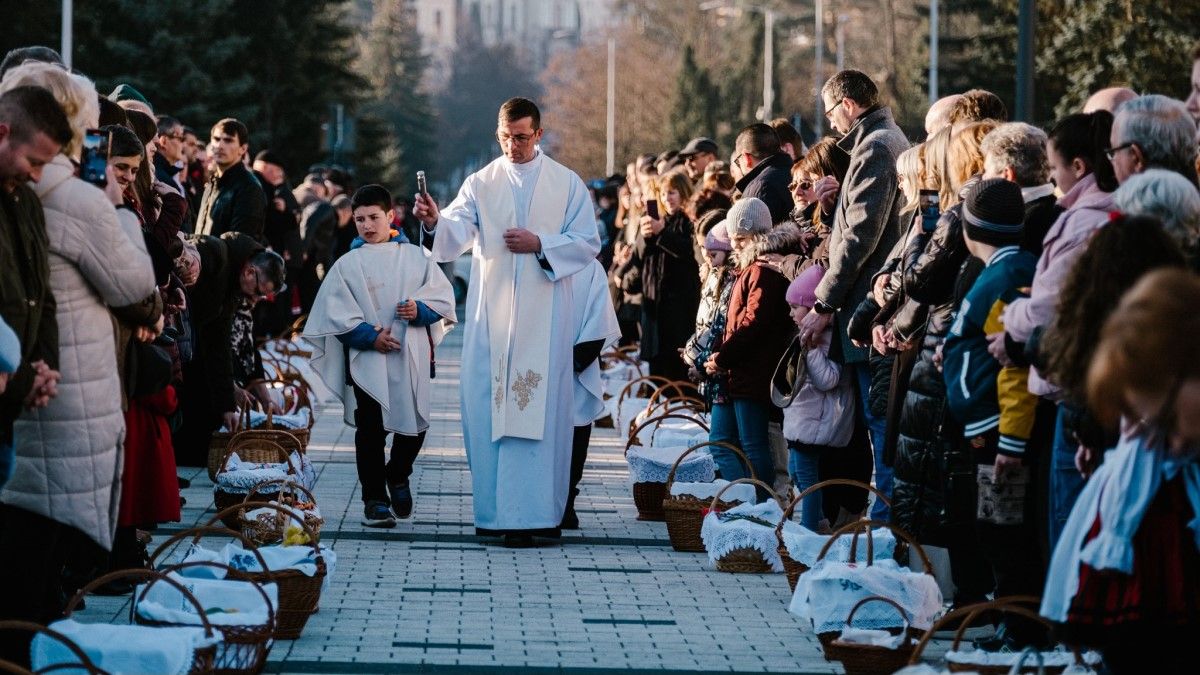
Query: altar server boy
[[381, 310]]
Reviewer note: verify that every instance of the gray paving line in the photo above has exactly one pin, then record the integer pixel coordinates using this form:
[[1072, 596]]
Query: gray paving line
[[435, 537], [379, 668]]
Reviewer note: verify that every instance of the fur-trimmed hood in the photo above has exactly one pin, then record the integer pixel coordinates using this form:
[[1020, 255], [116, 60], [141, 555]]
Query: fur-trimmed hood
[[785, 238]]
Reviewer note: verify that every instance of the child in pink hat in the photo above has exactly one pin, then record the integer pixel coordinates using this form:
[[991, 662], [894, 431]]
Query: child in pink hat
[[820, 417]]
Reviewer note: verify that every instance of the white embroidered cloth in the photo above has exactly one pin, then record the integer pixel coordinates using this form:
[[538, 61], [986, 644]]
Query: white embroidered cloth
[[296, 420], [122, 649], [826, 593], [674, 431], [1057, 658], [652, 464], [628, 409], [301, 558], [225, 601], [619, 375], [867, 636], [804, 545], [724, 533], [742, 492], [239, 476]]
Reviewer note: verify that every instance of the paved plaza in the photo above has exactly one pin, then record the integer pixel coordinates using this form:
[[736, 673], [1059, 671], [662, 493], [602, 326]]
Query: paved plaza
[[431, 597]]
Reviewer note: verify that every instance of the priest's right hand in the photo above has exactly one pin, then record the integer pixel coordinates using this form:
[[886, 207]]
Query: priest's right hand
[[232, 420], [384, 342], [426, 210]]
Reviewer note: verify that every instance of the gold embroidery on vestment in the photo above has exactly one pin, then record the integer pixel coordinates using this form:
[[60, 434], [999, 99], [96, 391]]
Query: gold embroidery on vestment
[[524, 387]]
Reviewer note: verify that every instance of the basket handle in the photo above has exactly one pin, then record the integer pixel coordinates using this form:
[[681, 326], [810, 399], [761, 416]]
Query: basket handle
[[969, 614], [685, 403], [753, 481], [878, 598], [208, 563], [84, 660], [638, 380], [872, 524], [283, 438], [677, 385], [791, 507], [1041, 662], [197, 533], [285, 482], [236, 508], [741, 455], [645, 423], [287, 458], [151, 577]]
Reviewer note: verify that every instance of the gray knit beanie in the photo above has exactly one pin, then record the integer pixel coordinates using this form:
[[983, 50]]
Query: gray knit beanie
[[747, 217]]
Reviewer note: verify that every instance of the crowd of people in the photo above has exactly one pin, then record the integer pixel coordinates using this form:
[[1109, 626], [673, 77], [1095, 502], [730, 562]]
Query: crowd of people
[[994, 325], [980, 321], [140, 261]]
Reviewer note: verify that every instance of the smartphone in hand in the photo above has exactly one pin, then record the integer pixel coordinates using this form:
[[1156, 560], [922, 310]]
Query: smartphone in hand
[[93, 163], [930, 207], [652, 209]]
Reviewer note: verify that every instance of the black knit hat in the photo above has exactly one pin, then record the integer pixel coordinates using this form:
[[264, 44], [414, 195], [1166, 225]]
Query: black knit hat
[[994, 212]]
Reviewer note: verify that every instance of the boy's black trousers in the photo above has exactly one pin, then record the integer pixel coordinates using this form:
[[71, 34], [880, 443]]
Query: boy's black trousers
[[369, 439]]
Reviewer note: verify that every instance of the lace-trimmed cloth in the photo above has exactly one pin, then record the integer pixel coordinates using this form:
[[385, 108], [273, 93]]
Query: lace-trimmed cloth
[[826, 593], [744, 526], [240, 476], [742, 492], [805, 546], [652, 464]]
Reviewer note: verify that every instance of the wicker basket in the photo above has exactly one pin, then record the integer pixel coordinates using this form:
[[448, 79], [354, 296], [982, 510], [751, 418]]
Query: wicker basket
[[85, 663], [270, 530], [744, 560], [684, 513], [220, 440], [204, 659], [634, 387], [861, 659], [793, 568], [243, 649], [291, 439], [299, 594], [251, 449], [855, 529], [648, 496], [967, 615]]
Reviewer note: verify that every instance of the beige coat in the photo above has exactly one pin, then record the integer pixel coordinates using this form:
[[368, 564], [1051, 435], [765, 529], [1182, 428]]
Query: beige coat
[[69, 454]]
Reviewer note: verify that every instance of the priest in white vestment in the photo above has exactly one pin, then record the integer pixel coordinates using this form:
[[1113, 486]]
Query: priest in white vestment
[[596, 329], [529, 224]]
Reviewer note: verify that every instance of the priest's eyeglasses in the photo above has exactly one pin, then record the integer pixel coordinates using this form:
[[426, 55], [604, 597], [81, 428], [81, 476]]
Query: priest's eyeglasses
[[519, 139]]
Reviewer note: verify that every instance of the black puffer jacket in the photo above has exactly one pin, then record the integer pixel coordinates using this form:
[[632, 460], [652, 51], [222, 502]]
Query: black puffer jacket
[[926, 457]]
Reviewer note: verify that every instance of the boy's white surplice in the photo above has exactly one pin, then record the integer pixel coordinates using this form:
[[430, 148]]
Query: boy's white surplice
[[517, 375], [365, 285]]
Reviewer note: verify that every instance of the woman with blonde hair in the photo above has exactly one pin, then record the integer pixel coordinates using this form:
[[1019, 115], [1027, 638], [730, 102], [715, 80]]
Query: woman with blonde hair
[[69, 454], [926, 438]]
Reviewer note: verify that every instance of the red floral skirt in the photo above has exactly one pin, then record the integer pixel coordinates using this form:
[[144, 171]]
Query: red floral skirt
[[1164, 588]]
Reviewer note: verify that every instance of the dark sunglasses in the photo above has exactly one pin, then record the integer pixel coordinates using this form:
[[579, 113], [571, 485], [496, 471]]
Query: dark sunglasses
[[800, 185]]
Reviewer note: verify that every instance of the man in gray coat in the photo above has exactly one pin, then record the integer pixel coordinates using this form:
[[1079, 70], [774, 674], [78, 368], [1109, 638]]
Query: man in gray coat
[[866, 226]]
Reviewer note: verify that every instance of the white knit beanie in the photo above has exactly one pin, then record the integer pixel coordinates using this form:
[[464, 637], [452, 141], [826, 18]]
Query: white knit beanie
[[747, 217]]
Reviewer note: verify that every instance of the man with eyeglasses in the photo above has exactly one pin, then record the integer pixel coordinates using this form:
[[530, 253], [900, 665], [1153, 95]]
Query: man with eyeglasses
[[169, 161], [233, 200], [235, 270], [1150, 132], [530, 224]]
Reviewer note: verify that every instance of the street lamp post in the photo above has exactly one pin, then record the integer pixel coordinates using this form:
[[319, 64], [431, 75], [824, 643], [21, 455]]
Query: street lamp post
[[818, 66], [768, 49], [68, 37]]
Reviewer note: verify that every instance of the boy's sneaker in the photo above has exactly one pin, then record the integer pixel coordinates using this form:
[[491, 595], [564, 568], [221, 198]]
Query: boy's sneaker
[[402, 499], [377, 514]]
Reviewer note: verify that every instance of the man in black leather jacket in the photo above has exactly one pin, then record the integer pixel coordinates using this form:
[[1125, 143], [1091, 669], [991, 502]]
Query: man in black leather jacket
[[233, 200]]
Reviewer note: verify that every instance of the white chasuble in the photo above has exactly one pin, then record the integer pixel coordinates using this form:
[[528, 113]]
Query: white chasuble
[[595, 319], [364, 286], [517, 378]]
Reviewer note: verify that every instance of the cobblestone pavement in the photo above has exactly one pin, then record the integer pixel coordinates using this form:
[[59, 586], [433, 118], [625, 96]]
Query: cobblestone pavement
[[431, 597]]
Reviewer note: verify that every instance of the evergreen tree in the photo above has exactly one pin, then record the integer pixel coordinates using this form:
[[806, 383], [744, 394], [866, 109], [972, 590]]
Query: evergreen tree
[[397, 124], [1145, 46], [694, 108]]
